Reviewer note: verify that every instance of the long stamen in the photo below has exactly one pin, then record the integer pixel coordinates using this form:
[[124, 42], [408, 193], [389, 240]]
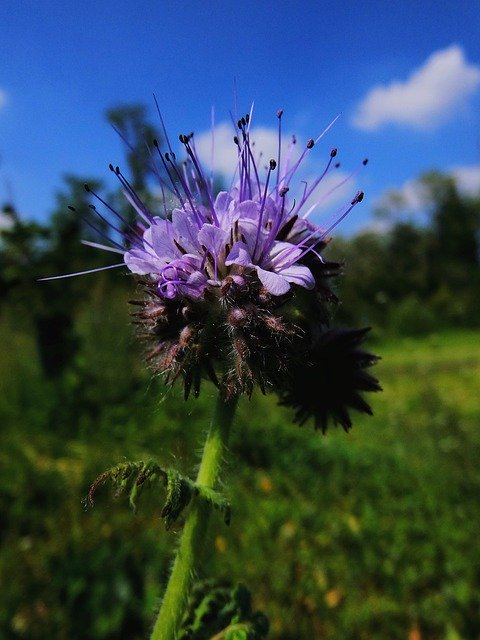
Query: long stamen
[[139, 205], [254, 164], [164, 129], [82, 273], [212, 149], [311, 236], [268, 244], [97, 229], [161, 182], [358, 198], [288, 175], [279, 116], [115, 213], [185, 140], [171, 158], [165, 166], [309, 191], [334, 188], [104, 247], [271, 168]]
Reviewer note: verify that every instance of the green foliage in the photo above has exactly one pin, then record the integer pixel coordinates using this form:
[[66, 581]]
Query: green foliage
[[436, 265], [133, 477], [368, 535], [217, 611], [411, 317]]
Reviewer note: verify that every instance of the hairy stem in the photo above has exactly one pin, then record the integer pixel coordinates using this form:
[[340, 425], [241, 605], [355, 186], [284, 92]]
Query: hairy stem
[[189, 552]]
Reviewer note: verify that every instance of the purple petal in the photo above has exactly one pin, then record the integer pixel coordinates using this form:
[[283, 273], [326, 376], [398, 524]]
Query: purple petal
[[195, 284], [248, 210], [160, 237], [283, 254], [222, 202], [273, 282], [142, 262], [185, 229], [213, 238], [299, 274], [239, 254]]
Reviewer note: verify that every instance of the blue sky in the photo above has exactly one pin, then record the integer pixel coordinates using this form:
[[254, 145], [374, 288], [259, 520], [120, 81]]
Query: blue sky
[[405, 77]]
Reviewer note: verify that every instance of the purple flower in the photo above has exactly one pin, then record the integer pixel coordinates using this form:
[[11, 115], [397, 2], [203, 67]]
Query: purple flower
[[235, 284], [240, 232]]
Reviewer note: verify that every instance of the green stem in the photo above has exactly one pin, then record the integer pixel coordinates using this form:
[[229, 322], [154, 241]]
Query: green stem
[[189, 552]]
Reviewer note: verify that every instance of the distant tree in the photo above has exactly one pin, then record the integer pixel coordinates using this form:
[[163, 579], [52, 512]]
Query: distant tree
[[406, 252], [428, 269], [21, 246], [362, 288], [29, 251], [455, 227]]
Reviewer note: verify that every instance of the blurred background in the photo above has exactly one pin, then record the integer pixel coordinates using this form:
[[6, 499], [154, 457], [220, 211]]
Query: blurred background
[[369, 535]]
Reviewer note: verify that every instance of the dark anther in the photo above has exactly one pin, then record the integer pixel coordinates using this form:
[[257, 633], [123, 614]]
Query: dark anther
[[87, 188], [358, 198], [279, 113], [273, 165], [117, 170], [247, 118], [235, 139], [244, 122], [337, 165], [167, 156], [92, 207], [239, 123], [283, 191], [333, 153], [155, 143], [287, 227], [179, 247], [310, 143], [72, 208], [365, 162], [110, 166]]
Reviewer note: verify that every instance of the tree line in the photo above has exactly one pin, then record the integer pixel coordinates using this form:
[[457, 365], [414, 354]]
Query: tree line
[[408, 279], [416, 278]]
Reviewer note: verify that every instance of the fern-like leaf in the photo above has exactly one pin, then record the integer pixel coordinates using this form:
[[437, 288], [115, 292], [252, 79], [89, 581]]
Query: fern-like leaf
[[218, 611], [132, 477]]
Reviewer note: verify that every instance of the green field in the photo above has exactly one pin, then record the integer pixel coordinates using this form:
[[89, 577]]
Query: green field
[[370, 535]]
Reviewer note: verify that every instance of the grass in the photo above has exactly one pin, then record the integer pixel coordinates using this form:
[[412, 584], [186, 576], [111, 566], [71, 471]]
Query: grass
[[367, 535]]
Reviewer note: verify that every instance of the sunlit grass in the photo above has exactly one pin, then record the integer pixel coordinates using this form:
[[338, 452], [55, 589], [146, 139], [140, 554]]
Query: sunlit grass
[[371, 534]]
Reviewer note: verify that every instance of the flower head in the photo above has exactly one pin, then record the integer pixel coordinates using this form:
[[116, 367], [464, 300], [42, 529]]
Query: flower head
[[235, 282], [328, 377]]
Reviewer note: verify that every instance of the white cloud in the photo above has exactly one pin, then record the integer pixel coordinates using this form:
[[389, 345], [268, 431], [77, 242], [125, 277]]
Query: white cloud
[[408, 197], [411, 196], [6, 222], [430, 95], [468, 179]]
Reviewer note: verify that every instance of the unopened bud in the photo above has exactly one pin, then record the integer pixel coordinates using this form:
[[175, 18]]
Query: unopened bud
[[186, 335], [238, 317]]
